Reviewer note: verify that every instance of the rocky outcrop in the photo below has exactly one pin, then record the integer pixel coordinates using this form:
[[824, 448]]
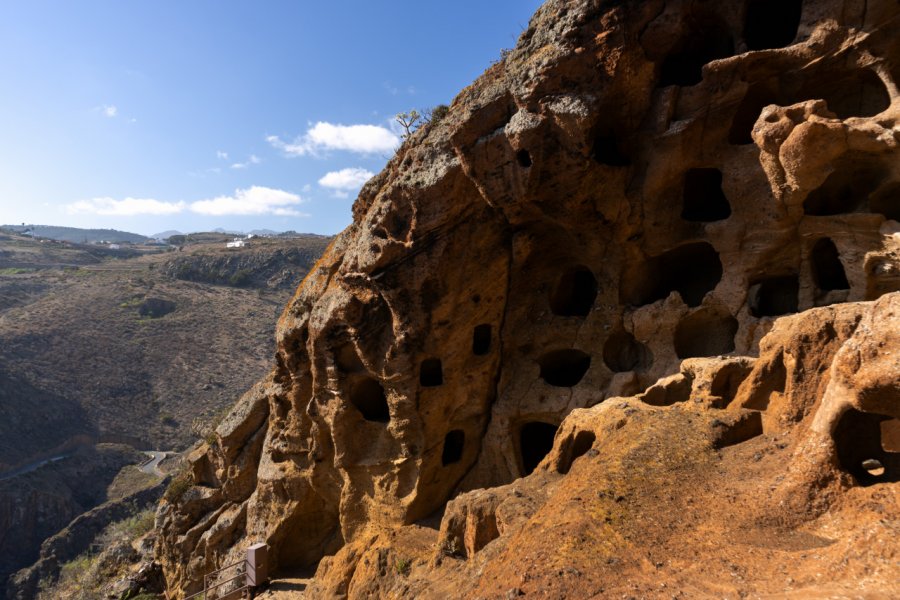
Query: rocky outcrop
[[585, 256]]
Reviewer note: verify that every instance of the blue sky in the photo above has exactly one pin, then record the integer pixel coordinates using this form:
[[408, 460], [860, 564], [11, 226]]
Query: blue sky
[[155, 115]]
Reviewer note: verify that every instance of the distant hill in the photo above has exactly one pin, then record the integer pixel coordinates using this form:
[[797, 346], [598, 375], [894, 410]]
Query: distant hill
[[76, 235], [163, 235]]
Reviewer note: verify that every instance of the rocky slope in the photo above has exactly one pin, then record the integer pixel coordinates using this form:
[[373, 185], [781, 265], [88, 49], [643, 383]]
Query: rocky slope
[[95, 349], [561, 309]]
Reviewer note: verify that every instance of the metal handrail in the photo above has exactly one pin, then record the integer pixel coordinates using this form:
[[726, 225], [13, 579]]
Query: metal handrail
[[208, 588]]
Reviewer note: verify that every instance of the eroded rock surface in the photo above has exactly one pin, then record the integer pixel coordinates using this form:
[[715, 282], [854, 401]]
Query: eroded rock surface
[[568, 278]]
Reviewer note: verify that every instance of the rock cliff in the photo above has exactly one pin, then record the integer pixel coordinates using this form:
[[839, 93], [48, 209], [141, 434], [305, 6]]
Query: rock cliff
[[559, 328]]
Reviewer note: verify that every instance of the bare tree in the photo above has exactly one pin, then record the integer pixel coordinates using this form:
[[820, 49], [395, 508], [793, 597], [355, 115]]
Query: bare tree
[[410, 121]]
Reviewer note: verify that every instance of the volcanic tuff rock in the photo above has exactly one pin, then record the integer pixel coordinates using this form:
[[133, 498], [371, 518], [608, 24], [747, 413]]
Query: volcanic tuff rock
[[568, 278]]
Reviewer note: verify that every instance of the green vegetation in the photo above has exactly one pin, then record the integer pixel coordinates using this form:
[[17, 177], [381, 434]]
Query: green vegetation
[[402, 566], [241, 278], [179, 485], [134, 526]]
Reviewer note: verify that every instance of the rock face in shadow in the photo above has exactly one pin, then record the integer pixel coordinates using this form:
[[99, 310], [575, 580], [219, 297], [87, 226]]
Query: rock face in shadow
[[604, 227]]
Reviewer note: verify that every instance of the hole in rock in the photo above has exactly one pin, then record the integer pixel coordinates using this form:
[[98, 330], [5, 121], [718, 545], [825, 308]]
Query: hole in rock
[[827, 270], [574, 293], [608, 151], [887, 201], [481, 340], [431, 372], [368, 397], [706, 39], [575, 449], [857, 439], [623, 353], [523, 158], [873, 467], [703, 198], [454, 442], [845, 190], [772, 23], [535, 442], [692, 270], [564, 368], [774, 296], [707, 332]]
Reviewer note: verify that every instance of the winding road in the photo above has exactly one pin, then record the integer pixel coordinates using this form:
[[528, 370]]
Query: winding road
[[151, 466], [33, 466]]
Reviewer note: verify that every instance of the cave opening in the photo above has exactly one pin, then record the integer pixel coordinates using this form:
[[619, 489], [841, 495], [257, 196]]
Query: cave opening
[[623, 353], [706, 332], [771, 23], [860, 449], [706, 39], [454, 443], [693, 270], [523, 157], [703, 199], [845, 190], [853, 93], [481, 339], [564, 368], [774, 296], [827, 270], [369, 399], [431, 372], [535, 442], [887, 201], [608, 150], [574, 293], [575, 449]]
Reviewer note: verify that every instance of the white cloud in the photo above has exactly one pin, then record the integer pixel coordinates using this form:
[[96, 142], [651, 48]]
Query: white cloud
[[253, 160], [346, 179], [221, 155], [321, 137], [125, 208], [256, 200], [110, 110]]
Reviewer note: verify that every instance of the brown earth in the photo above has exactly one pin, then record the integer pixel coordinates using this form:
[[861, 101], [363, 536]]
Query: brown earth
[[594, 255]]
